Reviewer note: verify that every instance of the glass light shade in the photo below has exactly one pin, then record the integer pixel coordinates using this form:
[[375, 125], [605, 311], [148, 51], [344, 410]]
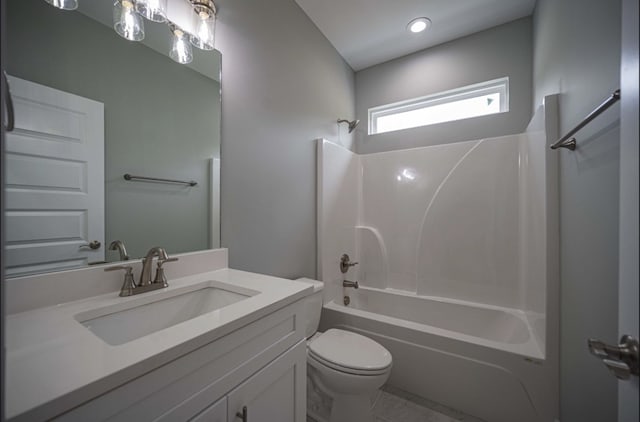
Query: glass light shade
[[204, 34], [180, 48], [154, 10], [127, 23], [64, 4]]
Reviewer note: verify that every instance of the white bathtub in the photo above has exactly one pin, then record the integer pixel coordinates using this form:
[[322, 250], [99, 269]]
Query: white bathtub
[[483, 360]]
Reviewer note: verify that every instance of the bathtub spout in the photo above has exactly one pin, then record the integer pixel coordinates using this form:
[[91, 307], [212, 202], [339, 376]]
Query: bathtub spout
[[347, 283]]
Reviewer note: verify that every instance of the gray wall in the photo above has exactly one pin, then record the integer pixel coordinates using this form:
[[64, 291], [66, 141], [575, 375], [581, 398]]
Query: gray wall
[[70, 52], [577, 53], [505, 50], [283, 86]]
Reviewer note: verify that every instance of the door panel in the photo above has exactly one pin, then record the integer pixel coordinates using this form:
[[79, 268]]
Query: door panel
[[276, 393], [217, 412], [54, 180], [628, 408]]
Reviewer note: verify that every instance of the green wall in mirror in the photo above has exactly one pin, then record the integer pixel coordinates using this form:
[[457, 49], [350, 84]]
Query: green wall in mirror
[[161, 119]]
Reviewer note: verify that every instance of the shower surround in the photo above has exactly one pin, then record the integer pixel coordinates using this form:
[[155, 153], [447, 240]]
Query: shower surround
[[457, 246]]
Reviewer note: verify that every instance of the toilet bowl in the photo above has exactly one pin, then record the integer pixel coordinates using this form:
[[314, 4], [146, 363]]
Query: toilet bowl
[[346, 366]]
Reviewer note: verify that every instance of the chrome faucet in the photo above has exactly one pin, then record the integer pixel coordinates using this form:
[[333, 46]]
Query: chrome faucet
[[347, 283], [145, 275], [118, 245], [130, 288]]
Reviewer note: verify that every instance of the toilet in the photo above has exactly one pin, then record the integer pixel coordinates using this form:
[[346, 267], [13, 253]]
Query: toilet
[[346, 366]]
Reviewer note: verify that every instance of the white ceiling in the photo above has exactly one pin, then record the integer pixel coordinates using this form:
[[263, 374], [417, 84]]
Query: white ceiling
[[369, 32]]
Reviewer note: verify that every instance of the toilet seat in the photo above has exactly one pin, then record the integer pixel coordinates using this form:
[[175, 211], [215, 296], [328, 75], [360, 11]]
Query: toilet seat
[[344, 370], [350, 353]]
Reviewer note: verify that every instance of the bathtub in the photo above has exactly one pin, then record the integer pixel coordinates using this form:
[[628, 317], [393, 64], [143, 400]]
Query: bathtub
[[484, 360]]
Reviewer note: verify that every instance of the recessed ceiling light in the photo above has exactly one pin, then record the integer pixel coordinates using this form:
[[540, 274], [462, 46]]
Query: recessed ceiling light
[[419, 25]]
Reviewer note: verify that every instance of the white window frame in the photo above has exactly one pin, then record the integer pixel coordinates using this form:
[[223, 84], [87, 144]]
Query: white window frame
[[500, 86]]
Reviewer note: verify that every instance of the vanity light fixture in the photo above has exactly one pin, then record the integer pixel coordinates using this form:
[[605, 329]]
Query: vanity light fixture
[[127, 23], [154, 10], [419, 24], [204, 24], [64, 4], [180, 48]]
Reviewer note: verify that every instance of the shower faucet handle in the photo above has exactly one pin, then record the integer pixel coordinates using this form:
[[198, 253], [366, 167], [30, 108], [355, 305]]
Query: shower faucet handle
[[345, 263]]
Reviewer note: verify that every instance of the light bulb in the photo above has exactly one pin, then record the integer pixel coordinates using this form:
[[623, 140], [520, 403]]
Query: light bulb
[[204, 36], [180, 48], [419, 25], [127, 23], [64, 4], [154, 10]]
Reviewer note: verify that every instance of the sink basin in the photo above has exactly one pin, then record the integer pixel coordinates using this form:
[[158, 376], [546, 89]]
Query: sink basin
[[121, 326]]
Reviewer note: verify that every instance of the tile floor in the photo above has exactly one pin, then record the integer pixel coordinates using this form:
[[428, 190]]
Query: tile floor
[[395, 405]]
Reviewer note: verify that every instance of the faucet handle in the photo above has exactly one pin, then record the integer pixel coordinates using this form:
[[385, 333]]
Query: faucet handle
[[160, 277], [127, 268], [345, 263], [129, 283]]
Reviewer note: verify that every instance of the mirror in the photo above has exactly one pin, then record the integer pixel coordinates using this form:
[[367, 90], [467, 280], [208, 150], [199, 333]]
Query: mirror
[[90, 108]]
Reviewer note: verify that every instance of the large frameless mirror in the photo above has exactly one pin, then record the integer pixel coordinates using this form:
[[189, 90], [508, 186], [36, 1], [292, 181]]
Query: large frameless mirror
[[90, 108]]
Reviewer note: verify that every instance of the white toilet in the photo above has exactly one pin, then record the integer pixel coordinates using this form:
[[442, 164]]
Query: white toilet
[[348, 367]]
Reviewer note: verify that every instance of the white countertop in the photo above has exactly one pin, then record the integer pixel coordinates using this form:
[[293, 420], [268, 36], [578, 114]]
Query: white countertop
[[54, 363]]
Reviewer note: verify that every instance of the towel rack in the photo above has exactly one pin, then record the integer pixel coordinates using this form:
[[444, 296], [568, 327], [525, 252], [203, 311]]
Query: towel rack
[[567, 141], [132, 178]]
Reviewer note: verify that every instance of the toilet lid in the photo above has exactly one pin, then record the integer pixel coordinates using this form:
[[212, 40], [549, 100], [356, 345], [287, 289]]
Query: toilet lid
[[350, 350]]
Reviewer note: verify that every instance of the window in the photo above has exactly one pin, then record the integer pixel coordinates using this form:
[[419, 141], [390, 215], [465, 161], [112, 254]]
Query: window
[[462, 103]]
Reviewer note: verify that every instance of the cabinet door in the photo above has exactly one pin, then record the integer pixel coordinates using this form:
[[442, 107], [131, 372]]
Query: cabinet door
[[217, 412], [275, 393]]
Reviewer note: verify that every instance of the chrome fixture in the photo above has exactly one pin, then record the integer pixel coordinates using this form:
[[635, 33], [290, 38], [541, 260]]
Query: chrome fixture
[[160, 278], [130, 288], [129, 285], [131, 178], [145, 275], [622, 360], [347, 283], [346, 300], [180, 48], [352, 123], [204, 24], [94, 244], [127, 23], [345, 263], [153, 10], [64, 4], [118, 245], [567, 141], [244, 415]]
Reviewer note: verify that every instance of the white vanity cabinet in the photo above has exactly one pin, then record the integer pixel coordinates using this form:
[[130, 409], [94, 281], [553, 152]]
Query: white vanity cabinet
[[261, 366], [217, 412], [275, 393]]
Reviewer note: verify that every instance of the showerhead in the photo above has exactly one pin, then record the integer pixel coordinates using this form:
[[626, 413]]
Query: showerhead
[[352, 123]]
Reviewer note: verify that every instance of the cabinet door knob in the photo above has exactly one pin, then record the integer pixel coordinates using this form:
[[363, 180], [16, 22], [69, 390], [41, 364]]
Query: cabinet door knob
[[244, 415]]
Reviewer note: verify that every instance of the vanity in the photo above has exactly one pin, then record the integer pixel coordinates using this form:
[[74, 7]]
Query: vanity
[[116, 143], [216, 345]]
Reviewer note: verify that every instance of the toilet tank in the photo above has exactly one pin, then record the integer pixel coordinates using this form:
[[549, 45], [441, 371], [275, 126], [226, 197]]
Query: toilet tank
[[312, 306]]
